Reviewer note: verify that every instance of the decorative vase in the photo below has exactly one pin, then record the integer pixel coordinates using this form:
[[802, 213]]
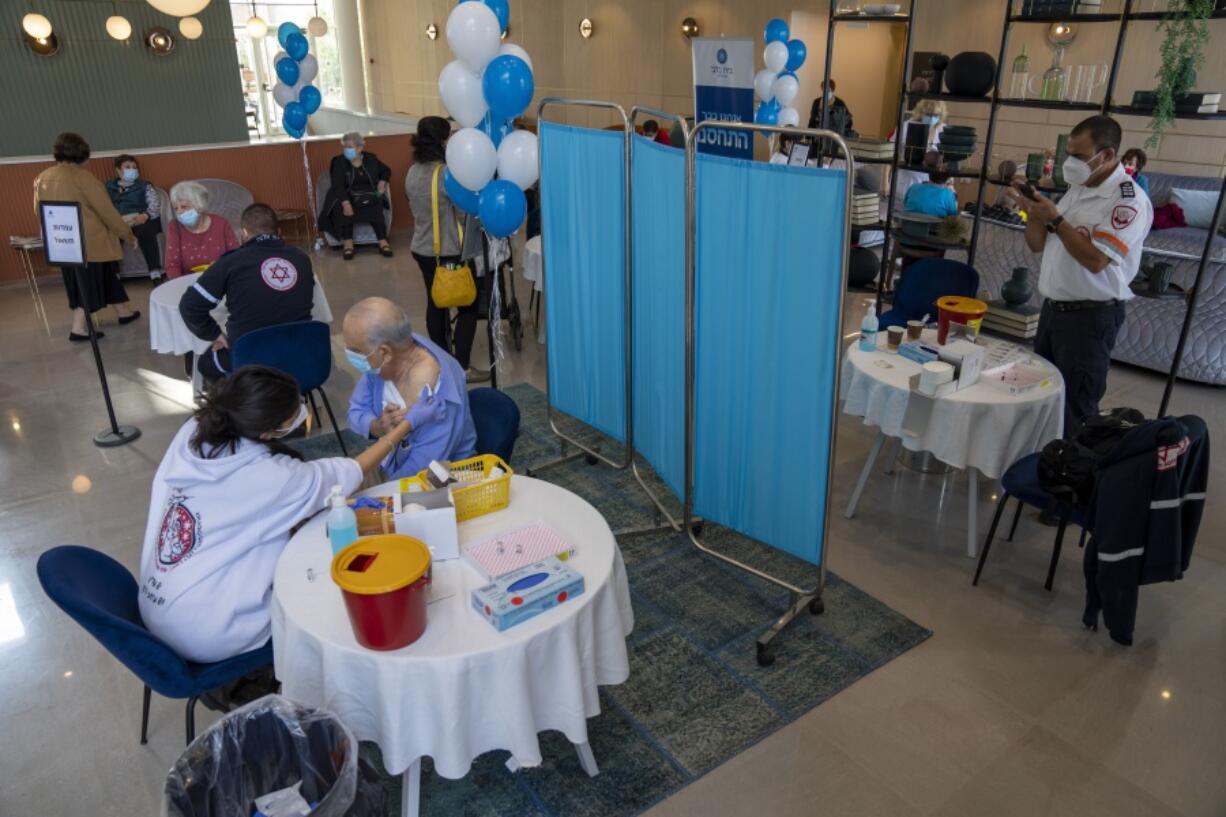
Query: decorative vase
[[1034, 166], [1160, 277], [1052, 89], [971, 73], [938, 64], [1020, 78], [1057, 172], [1017, 290]]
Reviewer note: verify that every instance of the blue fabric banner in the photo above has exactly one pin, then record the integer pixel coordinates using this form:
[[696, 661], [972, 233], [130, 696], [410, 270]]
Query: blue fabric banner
[[723, 91], [769, 283], [583, 229], [659, 309]]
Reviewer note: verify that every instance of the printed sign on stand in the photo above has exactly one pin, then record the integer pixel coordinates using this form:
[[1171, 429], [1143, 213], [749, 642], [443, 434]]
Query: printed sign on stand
[[723, 91], [63, 238]]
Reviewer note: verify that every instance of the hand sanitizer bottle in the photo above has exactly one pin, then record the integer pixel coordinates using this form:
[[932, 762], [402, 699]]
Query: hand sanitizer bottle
[[868, 329], [342, 522]]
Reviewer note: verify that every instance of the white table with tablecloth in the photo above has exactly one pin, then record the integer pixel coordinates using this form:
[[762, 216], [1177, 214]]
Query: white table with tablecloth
[[169, 335], [980, 429], [463, 688]]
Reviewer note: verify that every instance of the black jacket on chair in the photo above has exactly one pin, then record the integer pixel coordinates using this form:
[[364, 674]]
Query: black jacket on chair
[[1149, 498]]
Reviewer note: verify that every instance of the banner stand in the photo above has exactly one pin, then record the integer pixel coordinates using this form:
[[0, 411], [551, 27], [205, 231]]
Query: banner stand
[[801, 597], [593, 455]]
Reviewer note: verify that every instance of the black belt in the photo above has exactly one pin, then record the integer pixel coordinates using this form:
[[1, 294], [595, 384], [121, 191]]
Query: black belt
[[1078, 306]]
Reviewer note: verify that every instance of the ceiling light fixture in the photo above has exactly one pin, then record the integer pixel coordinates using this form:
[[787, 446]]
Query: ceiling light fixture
[[317, 26], [160, 41], [191, 28], [179, 8], [37, 26]]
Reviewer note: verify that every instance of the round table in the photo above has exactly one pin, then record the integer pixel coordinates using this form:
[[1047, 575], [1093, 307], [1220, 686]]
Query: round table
[[980, 429], [463, 688], [169, 335]]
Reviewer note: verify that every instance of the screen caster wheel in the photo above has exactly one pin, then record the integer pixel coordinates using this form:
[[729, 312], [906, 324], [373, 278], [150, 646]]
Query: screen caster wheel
[[817, 607], [590, 459], [696, 528], [766, 655]]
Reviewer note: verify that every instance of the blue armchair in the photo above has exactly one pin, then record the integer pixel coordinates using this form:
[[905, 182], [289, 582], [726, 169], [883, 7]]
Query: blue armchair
[[924, 282], [496, 417]]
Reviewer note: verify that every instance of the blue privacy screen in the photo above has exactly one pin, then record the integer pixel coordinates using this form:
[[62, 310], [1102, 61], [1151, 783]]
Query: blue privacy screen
[[659, 309], [769, 282], [583, 227]]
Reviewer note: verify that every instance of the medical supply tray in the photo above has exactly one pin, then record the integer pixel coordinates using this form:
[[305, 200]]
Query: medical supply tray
[[474, 493]]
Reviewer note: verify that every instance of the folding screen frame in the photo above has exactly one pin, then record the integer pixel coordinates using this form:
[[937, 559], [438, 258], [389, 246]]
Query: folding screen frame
[[801, 597], [593, 455]]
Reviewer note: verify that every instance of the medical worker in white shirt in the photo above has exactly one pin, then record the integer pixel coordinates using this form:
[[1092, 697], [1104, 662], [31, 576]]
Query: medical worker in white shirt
[[224, 500]]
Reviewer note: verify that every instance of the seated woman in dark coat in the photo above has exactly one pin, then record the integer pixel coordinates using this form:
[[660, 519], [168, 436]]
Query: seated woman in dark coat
[[358, 195]]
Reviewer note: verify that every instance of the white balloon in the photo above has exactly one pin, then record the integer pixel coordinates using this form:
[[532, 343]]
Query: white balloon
[[789, 118], [474, 34], [776, 55], [513, 50], [517, 159], [785, 89], [308, 67], [460, 89], [471, 156], [283, 94], [763, 82]]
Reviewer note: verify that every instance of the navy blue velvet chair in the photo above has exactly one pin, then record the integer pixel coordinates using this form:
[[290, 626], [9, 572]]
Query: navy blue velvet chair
[[497, 420], [924, 282], [302, 350], [1021, 482], [100, 594]]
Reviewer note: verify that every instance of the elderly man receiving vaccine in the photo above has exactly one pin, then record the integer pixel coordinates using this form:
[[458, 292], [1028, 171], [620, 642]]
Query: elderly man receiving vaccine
[[406, 377]]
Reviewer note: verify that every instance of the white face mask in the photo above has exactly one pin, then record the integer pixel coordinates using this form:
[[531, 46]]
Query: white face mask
[[1078, 171], [299, 419]]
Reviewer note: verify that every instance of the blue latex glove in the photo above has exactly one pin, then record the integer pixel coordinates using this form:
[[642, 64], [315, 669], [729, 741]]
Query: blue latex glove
[[428, 409]]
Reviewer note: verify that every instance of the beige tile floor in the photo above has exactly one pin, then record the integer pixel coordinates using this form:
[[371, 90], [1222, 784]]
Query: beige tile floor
[[1011, 707]]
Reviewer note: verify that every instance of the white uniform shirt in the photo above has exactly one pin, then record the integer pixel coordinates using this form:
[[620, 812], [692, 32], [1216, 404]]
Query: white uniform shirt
[[1116, 215], [216, 529]]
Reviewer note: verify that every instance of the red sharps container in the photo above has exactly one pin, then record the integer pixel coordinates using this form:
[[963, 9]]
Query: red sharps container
[[385, 580]]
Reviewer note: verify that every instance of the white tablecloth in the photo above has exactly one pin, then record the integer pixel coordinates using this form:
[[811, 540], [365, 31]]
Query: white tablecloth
[[169, 335], [463, 688], [534, 263], [981, 426]]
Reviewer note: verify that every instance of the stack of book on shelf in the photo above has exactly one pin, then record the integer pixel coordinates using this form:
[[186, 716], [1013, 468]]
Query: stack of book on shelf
[[865, 208], [1015, 321], [864, 148], [1193, 102]]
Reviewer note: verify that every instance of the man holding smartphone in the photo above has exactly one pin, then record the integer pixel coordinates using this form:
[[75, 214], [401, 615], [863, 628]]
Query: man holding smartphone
[[1091, 244]]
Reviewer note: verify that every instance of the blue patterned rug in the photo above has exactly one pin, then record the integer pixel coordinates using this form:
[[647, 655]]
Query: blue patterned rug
[[696, 696]]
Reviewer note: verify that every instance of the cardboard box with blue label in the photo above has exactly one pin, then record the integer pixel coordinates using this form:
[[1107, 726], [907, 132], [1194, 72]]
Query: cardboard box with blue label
[[527, 592]]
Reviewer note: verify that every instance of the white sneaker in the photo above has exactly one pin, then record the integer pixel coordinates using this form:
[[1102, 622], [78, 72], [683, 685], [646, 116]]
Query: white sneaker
[[155, 275]]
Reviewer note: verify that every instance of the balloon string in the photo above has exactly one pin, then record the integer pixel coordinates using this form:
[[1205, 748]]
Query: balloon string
[[310, 193]]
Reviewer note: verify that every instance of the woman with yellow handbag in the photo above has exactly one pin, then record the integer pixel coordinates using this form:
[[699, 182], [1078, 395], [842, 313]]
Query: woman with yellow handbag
[[437, 238]]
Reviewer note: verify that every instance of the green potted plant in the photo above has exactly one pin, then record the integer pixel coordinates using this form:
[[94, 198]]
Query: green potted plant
[[1186, 33]]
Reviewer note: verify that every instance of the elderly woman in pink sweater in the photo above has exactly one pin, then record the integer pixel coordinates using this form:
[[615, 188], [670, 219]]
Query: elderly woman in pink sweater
[[196, 237]]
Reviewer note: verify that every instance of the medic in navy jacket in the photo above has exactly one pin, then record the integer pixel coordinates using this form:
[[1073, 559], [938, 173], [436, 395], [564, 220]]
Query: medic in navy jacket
[[1149, 498]]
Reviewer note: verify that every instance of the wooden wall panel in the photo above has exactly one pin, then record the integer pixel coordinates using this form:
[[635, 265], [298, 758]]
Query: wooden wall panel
[[274, 173]]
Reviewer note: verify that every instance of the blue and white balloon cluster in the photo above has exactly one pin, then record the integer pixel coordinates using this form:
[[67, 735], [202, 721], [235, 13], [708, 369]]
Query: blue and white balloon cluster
[[489, 165], [777, 84], [295, 69]]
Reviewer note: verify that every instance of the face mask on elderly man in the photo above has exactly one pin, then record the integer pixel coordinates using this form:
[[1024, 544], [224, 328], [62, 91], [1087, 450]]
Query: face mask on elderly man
[[350, 153]]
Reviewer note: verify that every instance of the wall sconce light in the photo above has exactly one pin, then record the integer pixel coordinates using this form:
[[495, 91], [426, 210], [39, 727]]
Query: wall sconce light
[[159, 41], [42, 46], [1061, 34], [586, 28], [689, 28], [432, 31]]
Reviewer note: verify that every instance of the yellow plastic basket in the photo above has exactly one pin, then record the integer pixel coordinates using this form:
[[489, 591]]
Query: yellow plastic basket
[[483, 496]]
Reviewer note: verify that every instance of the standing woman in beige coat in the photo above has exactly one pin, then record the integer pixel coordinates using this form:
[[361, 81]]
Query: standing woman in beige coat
[[104, 229]]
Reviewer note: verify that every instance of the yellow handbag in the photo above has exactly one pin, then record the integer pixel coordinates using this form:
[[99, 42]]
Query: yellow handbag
[[453, 285]]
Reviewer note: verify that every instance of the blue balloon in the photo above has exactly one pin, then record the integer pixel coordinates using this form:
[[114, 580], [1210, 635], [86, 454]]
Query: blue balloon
[[508, 86], [798, 52], [502, 208], [461, 196], [768, 113], [777, 31], [502, 10], [284, 30], [496, 130], [296, 132], [287, 71], [295, 116], [296, 45], [311, 98]]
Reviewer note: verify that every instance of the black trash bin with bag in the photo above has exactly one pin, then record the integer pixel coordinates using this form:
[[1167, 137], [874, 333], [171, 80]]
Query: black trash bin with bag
[[268, 746]]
